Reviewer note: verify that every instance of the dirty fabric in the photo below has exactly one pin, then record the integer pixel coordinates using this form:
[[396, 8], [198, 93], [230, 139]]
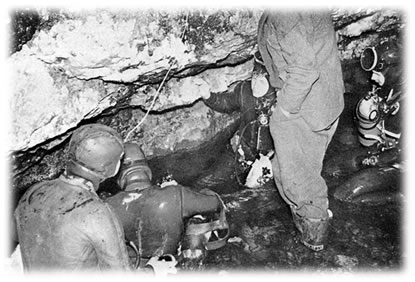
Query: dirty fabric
[[298, 163], [300, 53], [66, 226]]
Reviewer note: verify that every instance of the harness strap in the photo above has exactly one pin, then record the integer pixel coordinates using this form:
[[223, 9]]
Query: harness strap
[[203, 228]]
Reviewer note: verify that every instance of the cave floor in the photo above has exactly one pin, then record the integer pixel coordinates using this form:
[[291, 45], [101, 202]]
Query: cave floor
[[263, 237]]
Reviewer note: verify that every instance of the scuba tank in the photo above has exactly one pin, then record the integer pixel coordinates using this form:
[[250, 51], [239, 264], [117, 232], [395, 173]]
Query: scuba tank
[[367, 113], [371, 113], [384, 62]]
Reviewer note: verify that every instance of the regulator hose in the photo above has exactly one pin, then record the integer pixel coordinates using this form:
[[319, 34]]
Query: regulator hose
[[236, 153], [137, 253]]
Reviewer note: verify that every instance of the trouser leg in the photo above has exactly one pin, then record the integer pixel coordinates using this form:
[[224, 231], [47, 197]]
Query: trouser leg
[[297, 165]]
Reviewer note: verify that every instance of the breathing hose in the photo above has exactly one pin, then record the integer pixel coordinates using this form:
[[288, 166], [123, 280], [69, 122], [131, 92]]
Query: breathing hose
[[236, 153], [137, 254]]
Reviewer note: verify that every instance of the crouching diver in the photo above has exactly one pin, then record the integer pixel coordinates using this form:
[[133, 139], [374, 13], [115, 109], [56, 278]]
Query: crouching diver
[[379, 115], [62, 224], [377, 112], [154, 217], [252, 143]]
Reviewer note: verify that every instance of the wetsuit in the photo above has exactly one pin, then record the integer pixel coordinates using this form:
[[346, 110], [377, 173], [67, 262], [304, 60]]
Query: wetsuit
[[63, 225], [255, 138], [154, 218]]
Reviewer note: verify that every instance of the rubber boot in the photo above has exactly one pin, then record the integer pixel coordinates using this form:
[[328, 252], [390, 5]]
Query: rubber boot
[[313, 231]]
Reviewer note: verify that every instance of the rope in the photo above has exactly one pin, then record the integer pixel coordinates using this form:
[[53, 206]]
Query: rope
[[236, 162], [158, 90], [151, 105]]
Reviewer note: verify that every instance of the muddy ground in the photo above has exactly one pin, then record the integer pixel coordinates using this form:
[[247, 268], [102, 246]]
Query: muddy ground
[[263, 237]]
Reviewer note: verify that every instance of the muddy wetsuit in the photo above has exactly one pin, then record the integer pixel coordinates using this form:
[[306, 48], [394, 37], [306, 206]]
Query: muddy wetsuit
[[300, 53], [63, 225], [153, 218], [394, 81], [255, 139]]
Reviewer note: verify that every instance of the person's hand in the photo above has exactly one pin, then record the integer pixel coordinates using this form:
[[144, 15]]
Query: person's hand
[[208, 192], [205, 95], [378, 77], [285, 113], [213, 193], [163, 265]]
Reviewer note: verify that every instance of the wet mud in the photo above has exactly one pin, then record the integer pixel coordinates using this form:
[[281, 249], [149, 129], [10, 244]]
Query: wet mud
[[364, 237]]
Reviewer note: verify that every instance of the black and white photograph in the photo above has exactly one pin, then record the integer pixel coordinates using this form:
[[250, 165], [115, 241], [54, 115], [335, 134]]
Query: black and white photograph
[[175, 140]]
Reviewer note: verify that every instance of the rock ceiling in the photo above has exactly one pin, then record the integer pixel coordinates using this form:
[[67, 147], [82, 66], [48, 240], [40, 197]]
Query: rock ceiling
[[80, 65]]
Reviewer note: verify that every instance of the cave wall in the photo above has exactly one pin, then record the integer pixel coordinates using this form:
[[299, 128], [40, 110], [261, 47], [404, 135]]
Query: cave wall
[[87, 62], [112, 66]]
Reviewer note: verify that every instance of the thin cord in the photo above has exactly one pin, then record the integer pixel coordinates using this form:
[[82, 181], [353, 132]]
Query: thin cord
[[151, 105], [158, 90]]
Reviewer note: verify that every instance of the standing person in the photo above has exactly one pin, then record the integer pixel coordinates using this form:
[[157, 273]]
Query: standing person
[[62, 224], [300, 53]]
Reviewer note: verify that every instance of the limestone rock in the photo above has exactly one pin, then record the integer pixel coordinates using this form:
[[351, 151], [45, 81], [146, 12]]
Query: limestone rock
[[180, 129], [46, 104], [83, 63], [187, 90], [360, 28], [128, 47], [61, 76]]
